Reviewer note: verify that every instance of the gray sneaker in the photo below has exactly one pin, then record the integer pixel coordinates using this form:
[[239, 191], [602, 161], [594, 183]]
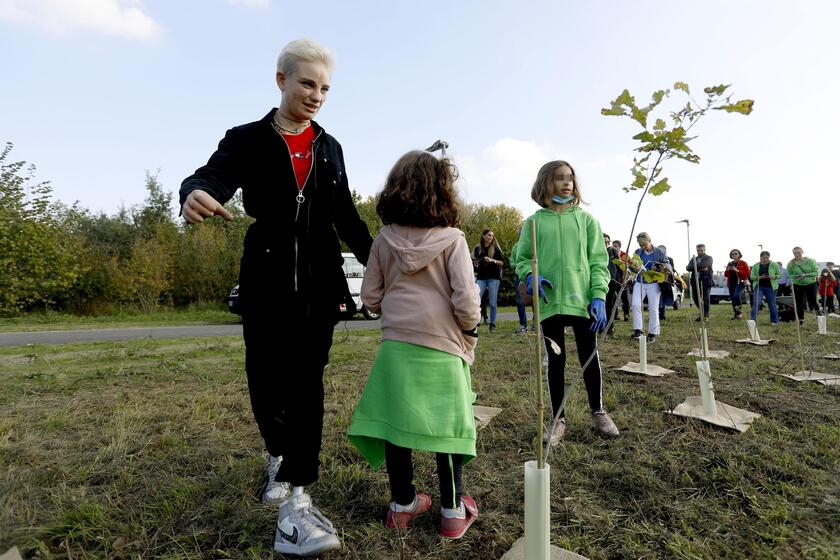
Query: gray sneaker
[[302, 530], [604, 423], [273, 491], [557, 435]]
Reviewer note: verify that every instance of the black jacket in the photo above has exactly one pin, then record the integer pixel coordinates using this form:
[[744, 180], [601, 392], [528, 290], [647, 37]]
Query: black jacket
[[291, 250]]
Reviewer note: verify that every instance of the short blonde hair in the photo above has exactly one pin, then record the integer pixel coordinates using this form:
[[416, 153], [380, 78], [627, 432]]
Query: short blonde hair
[[541, 191], [303, 50]]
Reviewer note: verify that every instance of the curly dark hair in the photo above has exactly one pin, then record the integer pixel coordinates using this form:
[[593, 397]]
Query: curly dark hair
[[420, 191]]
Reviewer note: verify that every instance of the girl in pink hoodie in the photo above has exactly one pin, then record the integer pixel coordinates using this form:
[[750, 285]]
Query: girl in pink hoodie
[[419, 394]]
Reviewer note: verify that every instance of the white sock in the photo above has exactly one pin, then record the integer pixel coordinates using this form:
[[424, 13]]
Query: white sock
[[403, 509], [297, 490], [459, 513]]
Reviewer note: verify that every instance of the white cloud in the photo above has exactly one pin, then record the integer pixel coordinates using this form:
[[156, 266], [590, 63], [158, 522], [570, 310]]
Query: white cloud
[[123, 18], [504, 172], [250, 3]]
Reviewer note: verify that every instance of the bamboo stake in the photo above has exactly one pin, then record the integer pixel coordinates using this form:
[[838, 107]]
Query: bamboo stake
[[535, 289]]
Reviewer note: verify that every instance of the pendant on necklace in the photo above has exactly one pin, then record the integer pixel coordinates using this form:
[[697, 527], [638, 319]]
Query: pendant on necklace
[[300, 198]]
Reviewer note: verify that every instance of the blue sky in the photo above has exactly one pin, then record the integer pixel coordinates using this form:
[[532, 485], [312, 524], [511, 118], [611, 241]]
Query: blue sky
[[96, 92]]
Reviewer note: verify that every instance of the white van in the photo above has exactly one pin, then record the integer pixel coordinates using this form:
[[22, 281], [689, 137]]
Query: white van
[[354, 271]]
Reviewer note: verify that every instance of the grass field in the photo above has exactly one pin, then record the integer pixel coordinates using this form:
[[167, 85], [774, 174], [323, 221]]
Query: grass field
[[50, 320], [148, 449]]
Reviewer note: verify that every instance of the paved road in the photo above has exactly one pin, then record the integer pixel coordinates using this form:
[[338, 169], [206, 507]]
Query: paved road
[[134, 333]]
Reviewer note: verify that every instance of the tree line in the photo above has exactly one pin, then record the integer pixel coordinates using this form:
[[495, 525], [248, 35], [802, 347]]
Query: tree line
[[66, 258]]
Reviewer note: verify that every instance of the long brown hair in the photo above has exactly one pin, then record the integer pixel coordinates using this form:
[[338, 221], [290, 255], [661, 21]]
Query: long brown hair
[[420, 191], [491, 250], [541, 191]]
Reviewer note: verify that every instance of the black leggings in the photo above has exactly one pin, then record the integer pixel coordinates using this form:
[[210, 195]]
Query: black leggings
[[800, 294], [553, 328], [401, 476]]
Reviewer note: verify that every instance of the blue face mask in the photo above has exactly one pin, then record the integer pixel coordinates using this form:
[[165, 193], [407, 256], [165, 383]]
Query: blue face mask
[[557, 199]]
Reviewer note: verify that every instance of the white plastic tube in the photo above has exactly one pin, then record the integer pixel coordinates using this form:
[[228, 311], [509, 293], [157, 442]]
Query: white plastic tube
[[753, 330], [642, 353], [537, 512], [821, 324], [705, 351], [707, 390]]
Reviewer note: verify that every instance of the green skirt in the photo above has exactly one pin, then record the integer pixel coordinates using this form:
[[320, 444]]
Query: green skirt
[[416, 397]]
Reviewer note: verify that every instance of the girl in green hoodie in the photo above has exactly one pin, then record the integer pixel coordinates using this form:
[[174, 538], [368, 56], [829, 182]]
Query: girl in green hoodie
[[572, 286]]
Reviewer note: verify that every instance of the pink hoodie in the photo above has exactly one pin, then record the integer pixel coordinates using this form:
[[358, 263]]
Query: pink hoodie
[[421, 280]]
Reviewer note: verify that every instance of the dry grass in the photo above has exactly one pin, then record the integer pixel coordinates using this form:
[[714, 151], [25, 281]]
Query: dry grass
[[148, 449]]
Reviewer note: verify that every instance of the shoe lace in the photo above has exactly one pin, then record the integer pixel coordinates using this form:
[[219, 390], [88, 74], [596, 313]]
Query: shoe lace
[[310, 516]]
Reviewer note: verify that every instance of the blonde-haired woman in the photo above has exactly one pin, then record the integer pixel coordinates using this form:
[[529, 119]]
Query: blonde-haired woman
[[295, 187]]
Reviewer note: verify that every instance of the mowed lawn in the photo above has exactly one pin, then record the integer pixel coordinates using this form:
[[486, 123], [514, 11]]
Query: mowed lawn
[[148, 449]]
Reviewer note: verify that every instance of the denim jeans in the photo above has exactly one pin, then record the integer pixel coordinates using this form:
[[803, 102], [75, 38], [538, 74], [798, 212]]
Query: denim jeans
[[492, 288], [735, 295], [768, 293]]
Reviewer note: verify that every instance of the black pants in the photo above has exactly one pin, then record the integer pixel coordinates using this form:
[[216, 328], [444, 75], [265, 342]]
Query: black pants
[[553, 328], [827, 303], [625, 300], [401, 476], [288, 400], [802, 293], [705, 294], [612, 300]]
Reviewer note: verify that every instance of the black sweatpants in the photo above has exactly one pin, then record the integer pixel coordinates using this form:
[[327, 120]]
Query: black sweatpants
[[612, 299], [401, 476], [288, 400], [801, 293], [553, 328], [705, 294]]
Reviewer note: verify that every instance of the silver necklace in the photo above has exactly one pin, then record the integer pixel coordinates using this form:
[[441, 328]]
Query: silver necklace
[[280, 128]]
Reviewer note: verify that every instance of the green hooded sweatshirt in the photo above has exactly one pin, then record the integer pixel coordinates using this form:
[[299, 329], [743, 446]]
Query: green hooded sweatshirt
[[572, 256], [773, 271], [803, 273]]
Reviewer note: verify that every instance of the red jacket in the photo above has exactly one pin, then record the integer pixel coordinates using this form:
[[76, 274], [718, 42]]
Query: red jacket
[[827, 285], [743, 271]]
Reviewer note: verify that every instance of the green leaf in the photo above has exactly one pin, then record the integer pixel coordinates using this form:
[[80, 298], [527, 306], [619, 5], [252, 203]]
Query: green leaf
[[644, 136], [659, 125], [716, 90], [660, 187], [682, 86], [617, 105], [744, 106]]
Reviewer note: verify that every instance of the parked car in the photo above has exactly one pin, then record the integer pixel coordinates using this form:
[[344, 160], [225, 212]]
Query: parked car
[[354, 272], [720, 292]]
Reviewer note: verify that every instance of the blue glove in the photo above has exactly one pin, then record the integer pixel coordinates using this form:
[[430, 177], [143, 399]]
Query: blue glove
[[598, 312], [542, 282]]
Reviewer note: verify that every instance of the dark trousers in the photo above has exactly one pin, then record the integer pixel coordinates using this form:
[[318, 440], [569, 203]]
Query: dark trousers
[[401, 476], [553, 328], [288, 400], [735, 296], [827, 303], [612, 300], [705, 294], [803, 293], [625, 300]]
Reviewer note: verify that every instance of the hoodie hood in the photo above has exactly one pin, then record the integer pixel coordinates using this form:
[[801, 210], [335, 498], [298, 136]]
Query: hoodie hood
[[416, 246]]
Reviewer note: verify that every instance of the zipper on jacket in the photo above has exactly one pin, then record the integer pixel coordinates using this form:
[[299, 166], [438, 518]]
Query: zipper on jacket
[[313, 147]]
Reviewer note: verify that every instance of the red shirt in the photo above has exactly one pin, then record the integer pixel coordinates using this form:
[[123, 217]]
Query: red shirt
[[300, 150], [743, 272]]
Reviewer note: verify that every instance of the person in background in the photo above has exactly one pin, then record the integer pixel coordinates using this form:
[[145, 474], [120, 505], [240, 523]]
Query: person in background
[[828, 285], [294, 185], [737, 272], [419, 394], [764, 276], [616, 275], [784, 281], [625, 294], [488, 260], [703, 275], [803, 272], [520, 305], [667, 287], [836, 273], [654, 259], [572, 256]]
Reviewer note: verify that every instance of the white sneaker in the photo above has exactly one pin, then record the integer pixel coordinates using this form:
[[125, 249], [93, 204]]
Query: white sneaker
[[273, 491], [302, 530]]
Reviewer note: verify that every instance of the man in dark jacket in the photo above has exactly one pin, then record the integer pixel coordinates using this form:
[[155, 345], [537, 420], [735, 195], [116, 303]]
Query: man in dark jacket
[[292, 286], [703, 275]]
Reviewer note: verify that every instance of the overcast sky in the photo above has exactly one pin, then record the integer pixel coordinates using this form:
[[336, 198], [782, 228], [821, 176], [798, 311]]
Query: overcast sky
[[96, 92]]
